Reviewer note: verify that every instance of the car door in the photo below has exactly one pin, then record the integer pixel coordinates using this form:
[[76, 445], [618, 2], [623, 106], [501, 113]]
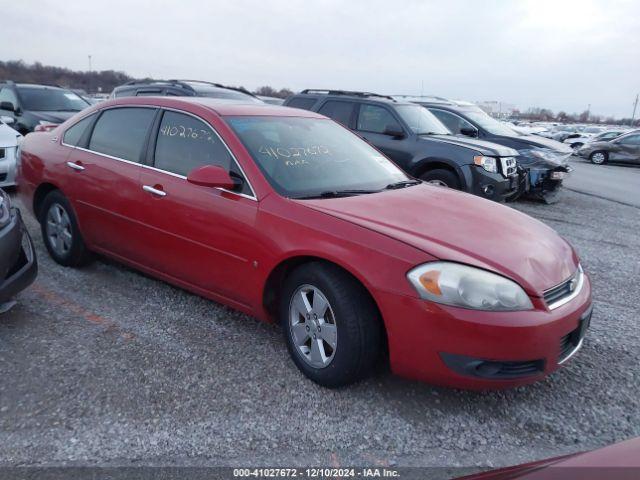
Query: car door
[[373, 121], [103, 179], [626, 149], [199, 236], [341, 111]]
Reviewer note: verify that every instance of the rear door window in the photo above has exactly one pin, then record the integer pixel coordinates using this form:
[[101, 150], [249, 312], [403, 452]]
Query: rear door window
[[302, 102], [73, 135], [339, 111], [373, 118], [122, 132]]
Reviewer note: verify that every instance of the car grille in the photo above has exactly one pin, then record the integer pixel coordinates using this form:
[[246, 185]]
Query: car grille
[[561, 294], [509, 166], [519, 369], [572, 341], [567, 345]]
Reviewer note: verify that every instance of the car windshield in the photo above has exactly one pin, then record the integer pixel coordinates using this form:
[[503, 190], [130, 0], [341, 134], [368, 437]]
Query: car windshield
[[489, 123], [51, 100], [421, 121], [308, 157]]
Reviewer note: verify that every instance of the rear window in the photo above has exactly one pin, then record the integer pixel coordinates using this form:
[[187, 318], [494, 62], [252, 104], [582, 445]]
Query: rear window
[[338, 111], [305, 103], [73, 135], [121, 132]]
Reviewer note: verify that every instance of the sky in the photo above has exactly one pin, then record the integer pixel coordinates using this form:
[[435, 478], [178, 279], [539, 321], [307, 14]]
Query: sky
[[557, 54]]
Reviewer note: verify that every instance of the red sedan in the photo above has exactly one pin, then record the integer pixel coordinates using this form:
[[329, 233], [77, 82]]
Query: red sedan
[[285, 215]]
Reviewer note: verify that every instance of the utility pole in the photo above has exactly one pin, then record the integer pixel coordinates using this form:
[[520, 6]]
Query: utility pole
[[89, 82], [635, 105]]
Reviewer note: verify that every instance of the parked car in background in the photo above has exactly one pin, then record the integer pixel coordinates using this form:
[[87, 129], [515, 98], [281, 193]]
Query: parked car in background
[[623, 149], [418, 142], [287, 216], [271, 100], [18, 265], [31, 106], [182, 88], [9, 142], [545, 161], [608, 135]]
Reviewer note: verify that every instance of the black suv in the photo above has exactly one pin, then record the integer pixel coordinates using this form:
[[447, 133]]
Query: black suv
[[418, 142], [32, 105], [182, 88], [544, 160]]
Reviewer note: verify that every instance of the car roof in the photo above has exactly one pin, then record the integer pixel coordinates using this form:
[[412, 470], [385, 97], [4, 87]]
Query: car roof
[[38, 86], [220, 106], [349, 95]]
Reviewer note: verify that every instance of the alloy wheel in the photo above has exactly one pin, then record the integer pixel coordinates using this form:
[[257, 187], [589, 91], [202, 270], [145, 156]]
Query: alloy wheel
[[58, 229], [313, 326], [598, 158], [437, 182]]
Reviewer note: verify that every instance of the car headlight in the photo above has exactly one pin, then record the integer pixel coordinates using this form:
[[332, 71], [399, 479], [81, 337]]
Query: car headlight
[[5, 209], [468, 287], [490, 164]]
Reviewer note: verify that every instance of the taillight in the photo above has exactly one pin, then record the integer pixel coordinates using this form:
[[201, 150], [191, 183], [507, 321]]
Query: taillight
[[45, 126]]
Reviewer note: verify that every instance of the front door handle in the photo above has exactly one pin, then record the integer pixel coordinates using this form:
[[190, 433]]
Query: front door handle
[[75, 166], [154, 191]]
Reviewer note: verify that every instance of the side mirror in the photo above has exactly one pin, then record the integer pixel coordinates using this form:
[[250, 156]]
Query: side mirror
[[10, 107], [7, 120], [211, 176], [394, 131], [469, 132]]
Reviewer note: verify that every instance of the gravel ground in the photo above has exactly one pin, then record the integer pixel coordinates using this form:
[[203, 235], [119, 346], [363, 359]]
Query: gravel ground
[[104, 366]]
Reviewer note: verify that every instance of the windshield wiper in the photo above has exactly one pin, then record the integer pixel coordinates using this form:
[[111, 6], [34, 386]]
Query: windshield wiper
[[433, 133], [337, 194], [402, 184]]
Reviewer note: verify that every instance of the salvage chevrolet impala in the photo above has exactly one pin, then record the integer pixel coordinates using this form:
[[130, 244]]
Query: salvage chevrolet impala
[[288, 216]]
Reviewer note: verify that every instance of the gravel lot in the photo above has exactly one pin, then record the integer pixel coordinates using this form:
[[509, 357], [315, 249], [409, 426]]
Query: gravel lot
[[104, 366]]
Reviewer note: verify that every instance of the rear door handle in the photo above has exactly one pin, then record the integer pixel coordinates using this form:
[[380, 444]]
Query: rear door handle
[[75, 166], [154, 191]]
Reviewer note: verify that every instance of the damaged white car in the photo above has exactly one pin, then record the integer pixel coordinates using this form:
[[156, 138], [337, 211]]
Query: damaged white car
[[9, 142]]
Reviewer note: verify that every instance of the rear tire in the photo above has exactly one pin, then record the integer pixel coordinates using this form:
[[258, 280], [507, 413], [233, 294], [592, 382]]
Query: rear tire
[[332, 327], [599, 157], [442, 178], [60, 231]]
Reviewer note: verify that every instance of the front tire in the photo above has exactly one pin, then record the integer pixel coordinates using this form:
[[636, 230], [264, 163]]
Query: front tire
[[442, 178], [60, 231], [599, 157], [331, 326]]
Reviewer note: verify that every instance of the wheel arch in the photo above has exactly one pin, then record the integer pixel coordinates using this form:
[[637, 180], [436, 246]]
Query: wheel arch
[[39, 195], [275, 280], [427, 164]]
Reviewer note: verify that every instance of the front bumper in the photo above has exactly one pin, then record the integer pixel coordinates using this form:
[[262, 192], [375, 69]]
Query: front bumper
[[493, 186], [441, 345], [8, 167], [18, 264]]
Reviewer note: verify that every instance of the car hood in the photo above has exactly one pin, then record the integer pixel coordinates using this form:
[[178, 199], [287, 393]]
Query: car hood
[[53, 117], [480, 146], [460, 227], [8, 136], [542, 142]]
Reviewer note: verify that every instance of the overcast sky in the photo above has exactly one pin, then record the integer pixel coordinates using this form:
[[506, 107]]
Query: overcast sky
[[559, 54]]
